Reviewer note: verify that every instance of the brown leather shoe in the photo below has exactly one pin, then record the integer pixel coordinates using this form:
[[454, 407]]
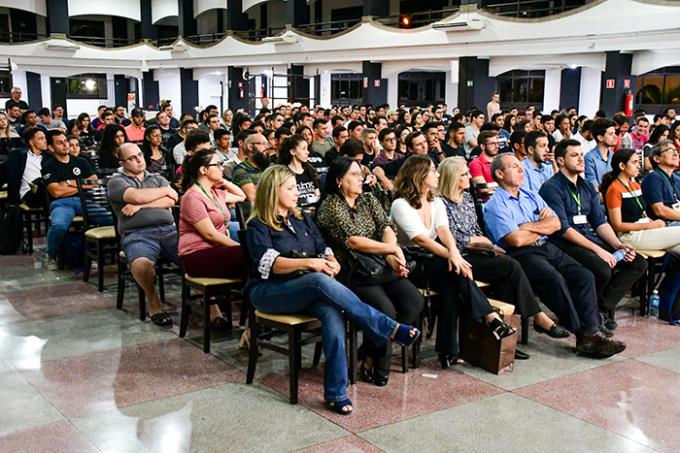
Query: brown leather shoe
[[598, 346]]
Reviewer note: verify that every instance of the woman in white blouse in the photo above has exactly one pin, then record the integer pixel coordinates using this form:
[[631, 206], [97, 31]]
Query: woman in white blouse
[[421, 219]]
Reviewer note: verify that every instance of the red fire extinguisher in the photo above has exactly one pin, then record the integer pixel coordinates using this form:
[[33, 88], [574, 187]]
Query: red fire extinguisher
[[628, 103]]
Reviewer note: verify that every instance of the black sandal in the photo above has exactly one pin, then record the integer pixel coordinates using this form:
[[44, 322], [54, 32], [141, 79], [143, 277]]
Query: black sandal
[[449, 360], [162, 319], [338, 406], [501, 329]]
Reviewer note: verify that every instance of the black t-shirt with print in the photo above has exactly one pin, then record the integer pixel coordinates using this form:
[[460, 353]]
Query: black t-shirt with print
[[307, 187], [75, 168]]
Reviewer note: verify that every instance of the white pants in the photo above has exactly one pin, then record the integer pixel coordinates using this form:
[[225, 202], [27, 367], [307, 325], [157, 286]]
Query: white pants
[[666, 238]]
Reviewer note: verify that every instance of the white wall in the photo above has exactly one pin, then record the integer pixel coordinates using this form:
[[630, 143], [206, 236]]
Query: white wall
[[169, 86], [75, 107], [120, 8], [201, 6], [160, 9], [589, 97], [393, 90], [46, 91], [209, 90], [551, 93], [33, 6], [325, 87]]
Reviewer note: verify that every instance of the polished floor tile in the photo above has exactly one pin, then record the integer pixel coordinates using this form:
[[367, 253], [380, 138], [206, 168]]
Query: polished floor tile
[[349, 444], [505, 423], [21, 405], [409, 395], [644, 336], [59, 437], [669, 359], [126, 376], [231, 417], [634, 399]]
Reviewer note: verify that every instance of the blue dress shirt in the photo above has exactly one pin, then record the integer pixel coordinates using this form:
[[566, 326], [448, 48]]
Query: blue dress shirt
[[535, 177], [503, 213], [564, 197], [596, 166]]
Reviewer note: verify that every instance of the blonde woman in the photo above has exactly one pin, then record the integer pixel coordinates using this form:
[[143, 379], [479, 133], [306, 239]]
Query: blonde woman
[[293, 272], [489, 263]]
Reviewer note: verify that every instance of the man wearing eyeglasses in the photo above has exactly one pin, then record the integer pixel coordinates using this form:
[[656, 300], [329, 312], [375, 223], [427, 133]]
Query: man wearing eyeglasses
[[247, 174], [59, 175], [142, 202], [661, 187]]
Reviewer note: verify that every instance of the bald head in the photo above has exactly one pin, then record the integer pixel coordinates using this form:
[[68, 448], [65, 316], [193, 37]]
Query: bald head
[[131, 159], [126, 150], [255, 142]]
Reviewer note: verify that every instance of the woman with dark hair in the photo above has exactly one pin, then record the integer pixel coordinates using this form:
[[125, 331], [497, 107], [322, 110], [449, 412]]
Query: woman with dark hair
[[294, 153], [282, 241], [421, 219], [562, 128], [114, 135], [659, 133], [509, 123], [417, 121], [205, 248], [404, 118], [85, 127], [72, 128], [354, 223], [626, 207], [154, 152], [674, 134], [314, 158], [402, 133]]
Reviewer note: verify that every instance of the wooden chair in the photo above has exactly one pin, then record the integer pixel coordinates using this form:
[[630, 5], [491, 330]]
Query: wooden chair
[[32, 217], [212, 291], [99, 240]]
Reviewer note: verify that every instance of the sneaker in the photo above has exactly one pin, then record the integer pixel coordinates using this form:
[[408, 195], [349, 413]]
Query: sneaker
[[51, 264], [598, 346]]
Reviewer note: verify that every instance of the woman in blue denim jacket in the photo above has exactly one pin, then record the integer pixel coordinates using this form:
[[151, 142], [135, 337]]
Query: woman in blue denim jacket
[[280, 283]]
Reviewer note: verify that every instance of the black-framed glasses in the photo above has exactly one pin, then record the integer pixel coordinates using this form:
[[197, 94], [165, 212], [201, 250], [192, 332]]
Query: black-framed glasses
[[218, 164], [138, 157]]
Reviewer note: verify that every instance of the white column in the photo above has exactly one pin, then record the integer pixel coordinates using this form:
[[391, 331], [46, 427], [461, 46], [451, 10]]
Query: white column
[[451, 85], [589, 97], [551, 92], [46, 91], [209, 90], [110, 90], [325, 95], [393, 90], [169, 86], [19, 80]]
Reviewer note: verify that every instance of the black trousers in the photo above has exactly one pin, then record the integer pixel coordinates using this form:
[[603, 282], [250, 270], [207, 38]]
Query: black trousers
[[565, 286], [457, 294], [507, 280], [401, 301], [611, 284], [34, 200]]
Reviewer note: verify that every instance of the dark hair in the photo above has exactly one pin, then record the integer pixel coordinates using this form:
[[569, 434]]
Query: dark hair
[[561, 118], [641, 118], [318, 122], [532, 137], [484, 136], [286, 157], [507, 124], [427, 126], [44, 112], [219, 133], [191, 165], [622, 156], [187, 122], [354, 124], [30, 132], [280, 132], [337, 118], [195, 138], [337, 130], [53, 133], [516, 138], [25, 115], [336, 170], [562, 145], [656, 134], [146, 144], [385, 132], [352, 148], [80, 119], [546, 118], [108, 143], [476, 113], [587, 126], [242, 135], [410, 137]]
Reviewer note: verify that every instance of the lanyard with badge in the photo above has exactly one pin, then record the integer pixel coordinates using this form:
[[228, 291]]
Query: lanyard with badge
[[215, 202], [636, 198], [669, 184], [579, 219]]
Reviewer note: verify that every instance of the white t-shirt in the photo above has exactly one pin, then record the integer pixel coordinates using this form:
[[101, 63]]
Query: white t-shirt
[[32, 171], [408, 221]]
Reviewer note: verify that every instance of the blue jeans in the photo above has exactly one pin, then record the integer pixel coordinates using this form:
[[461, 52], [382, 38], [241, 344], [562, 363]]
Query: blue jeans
[[62, 212], [325, 298]]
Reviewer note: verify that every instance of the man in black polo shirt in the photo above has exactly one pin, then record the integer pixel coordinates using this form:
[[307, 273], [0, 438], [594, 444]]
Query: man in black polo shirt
[[661, 187], [584, 233], [60, 174], [15, 100]]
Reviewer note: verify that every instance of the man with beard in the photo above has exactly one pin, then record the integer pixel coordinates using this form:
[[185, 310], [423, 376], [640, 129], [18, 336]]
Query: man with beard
[[480, 168], [536, 169], [248, 173]]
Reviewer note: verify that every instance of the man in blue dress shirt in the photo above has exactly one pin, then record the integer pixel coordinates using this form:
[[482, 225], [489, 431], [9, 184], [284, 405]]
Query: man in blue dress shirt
[[598, 160], [586, 236], [661, 187], [536, 168], [520, 221]]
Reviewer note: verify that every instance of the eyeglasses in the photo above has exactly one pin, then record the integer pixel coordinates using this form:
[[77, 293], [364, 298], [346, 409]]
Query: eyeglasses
[[138, 157], [672, 150], [213, 165]]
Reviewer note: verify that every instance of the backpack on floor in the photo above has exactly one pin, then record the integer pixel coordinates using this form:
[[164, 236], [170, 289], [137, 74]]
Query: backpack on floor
[[10, 231], [669, 292]]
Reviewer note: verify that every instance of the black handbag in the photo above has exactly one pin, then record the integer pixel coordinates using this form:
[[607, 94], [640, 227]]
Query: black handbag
[[295, 254], [417, 259], [371, 269]]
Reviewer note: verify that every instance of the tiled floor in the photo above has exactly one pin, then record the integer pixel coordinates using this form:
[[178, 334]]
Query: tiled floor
[[77, 375]]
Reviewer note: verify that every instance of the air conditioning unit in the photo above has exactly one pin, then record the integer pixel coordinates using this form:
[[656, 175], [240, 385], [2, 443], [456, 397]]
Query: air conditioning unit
[[466, 25], [178, 46], [61, 45], [283, 39]]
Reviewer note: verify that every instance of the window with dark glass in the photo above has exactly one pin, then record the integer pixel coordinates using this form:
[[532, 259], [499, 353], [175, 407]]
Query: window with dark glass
[[5, 83], [519, 89], [660, 88], [421, 88], [87, 86], [346, 88]]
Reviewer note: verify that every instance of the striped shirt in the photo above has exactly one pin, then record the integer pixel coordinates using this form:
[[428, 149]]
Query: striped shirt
[[629, 199]]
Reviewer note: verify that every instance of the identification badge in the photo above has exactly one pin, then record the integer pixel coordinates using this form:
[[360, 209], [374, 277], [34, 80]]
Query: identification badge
[[580, 219], [676, 206], [491, 185]]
